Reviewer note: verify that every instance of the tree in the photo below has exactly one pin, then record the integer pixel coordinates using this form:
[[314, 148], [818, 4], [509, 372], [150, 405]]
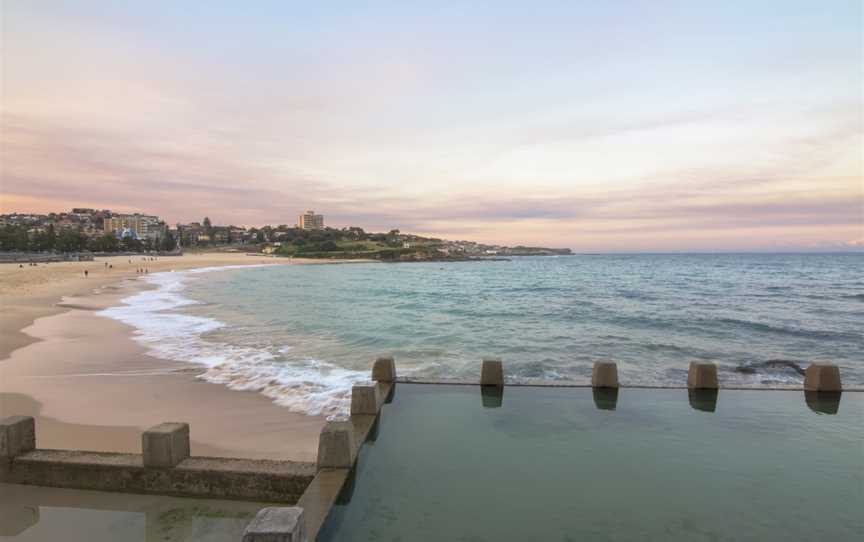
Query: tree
[[208, 227], [105, 243], [169, 243], [44, 241], [14, 238], [184, 237], [130, 244], [70, 241], [328, 246], [356, 233], [52, 237], [393, 238]]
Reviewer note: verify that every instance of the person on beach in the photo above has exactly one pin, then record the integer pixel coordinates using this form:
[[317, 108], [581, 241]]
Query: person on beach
[[85, 273]]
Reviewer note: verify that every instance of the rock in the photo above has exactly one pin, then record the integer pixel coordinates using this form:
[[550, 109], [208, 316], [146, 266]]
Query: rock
[[771, 364]]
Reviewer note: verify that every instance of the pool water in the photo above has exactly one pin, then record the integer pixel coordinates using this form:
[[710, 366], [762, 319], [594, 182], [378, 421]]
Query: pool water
[[29, 513], [566, 464]]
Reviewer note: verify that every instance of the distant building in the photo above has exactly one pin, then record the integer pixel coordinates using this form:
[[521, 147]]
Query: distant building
[[139, 226], [310, 221], [238, 235]]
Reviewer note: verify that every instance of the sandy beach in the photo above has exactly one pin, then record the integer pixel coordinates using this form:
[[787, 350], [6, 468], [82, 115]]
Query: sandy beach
[[92, 387]]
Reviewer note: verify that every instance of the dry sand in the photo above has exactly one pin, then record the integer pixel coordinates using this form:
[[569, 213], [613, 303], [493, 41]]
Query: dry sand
[[91, 387]]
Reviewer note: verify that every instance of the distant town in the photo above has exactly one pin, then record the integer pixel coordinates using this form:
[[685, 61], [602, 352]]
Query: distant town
[[84, 230]]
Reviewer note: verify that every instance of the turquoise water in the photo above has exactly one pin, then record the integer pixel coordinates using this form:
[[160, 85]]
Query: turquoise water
[[304, 334], [548, 464]]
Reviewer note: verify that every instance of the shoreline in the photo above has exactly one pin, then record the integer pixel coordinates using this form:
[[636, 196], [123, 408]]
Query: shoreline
[[91, 386], [30, 293]]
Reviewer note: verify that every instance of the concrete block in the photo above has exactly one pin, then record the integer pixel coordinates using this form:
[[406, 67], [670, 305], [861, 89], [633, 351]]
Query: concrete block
[[277, 525], [336, 446], [604, 374], [822, 377], [492, 373], [384, 369], [165, 445], [17, 436], [365, 399], [702, 376]]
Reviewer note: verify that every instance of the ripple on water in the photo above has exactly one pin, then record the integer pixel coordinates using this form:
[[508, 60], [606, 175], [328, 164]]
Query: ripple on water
[[304, 334]]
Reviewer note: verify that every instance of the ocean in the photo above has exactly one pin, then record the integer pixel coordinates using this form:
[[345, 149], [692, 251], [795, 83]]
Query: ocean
[[303, 334]]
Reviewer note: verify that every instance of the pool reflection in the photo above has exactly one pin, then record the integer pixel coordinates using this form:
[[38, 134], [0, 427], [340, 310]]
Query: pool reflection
[[605, 398], [391, 394], [703, 399], [347, 490], [823, 402], [373, 431], [492, 396], [32, 513], [16, 518]]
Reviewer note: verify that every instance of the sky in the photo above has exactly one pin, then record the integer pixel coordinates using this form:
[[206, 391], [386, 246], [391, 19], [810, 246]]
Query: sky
[[599, 126]]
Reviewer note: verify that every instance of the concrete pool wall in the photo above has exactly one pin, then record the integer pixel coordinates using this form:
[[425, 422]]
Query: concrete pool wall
[[165, 466]]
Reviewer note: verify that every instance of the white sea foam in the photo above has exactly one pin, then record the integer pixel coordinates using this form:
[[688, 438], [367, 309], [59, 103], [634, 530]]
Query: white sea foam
[[308, 386]]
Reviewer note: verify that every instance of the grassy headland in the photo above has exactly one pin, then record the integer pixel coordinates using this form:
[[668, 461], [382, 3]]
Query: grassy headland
[[393, 246]]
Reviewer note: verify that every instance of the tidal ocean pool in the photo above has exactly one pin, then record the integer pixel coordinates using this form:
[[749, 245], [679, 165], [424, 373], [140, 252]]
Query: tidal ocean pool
[[563, 464], [37, 514], [303, 334]]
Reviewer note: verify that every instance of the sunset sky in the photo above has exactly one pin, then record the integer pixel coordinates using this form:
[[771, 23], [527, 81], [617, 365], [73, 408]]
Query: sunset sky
[[600, 126]]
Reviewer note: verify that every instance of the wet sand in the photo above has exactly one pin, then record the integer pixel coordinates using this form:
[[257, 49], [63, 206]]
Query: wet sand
[[91, 387]]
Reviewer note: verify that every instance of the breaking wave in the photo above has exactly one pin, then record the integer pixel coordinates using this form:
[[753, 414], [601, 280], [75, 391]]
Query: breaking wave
[[307, 386]]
